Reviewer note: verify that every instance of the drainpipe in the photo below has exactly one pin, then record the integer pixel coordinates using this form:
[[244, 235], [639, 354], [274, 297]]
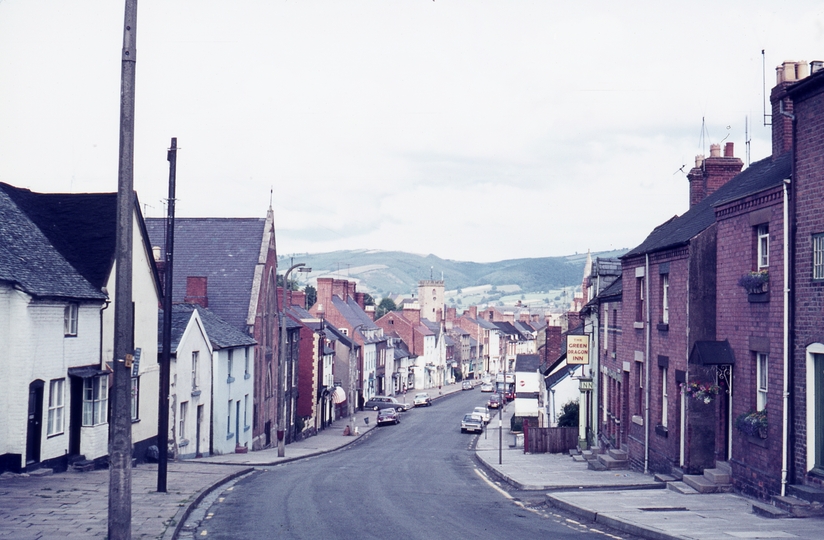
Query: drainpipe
[[594, 372], [786, 389], [105, 305], [646, 363]]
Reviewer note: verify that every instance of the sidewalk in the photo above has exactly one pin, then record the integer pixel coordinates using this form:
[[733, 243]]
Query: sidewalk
[[630, 501], [74, 505]]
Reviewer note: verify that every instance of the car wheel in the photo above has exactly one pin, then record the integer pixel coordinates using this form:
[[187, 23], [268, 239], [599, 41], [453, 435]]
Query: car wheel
[[463, 430]]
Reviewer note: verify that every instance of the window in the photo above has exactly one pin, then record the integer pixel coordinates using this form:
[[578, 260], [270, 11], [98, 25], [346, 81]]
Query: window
[[640, 390], [665, 298], [231, 361], [184, 411], [246, 373], [195, 358], [664, 397], [606, 327], [70, 320], [763, 233], [818, 256], [135, 398], [246, 411], [229, 420], [762, 376], [95, 400], [639, 296], [56, 409]]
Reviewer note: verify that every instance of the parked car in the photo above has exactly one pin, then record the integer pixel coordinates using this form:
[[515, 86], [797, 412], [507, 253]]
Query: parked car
[[487, 387], [388, 416], [472, 422], [484, 412], [467, 385], [494, 401], [422, 399], [509, 395], [377, 403]]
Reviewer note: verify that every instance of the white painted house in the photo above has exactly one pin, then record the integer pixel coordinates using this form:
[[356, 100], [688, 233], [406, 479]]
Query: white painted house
[[56, 328]]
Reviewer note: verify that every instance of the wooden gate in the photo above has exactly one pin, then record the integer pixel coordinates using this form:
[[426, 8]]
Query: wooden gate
[[549, 440]]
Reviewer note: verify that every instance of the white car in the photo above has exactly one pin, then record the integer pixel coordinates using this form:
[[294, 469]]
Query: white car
[[483, 411], [422, 400], [487, 387]]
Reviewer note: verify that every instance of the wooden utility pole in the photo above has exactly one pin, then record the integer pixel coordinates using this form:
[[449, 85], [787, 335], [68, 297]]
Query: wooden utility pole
[[165, 359], [120, 426]]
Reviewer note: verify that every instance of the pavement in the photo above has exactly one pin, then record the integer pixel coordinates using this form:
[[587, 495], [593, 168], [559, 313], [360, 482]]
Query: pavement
[[74, 504]]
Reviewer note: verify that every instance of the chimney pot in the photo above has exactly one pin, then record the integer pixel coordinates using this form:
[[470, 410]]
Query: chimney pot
[[789, 71], [715, 150], [802, 69], [728, 150], [699, 160]]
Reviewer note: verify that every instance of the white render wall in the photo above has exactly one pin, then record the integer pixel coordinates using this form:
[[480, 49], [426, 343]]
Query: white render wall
[[181, 390], [242, 386], [146, 298], [32, 347]]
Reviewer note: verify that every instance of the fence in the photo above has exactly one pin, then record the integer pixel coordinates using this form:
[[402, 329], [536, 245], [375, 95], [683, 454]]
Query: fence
[[549, 440]]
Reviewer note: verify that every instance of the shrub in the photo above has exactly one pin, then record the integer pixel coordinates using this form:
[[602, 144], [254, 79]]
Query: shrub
[[569, 415]]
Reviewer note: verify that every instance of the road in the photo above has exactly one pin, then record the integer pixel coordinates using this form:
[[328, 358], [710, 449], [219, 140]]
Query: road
[[414, 480]]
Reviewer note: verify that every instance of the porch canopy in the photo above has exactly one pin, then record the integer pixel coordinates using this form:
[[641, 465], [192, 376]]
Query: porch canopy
[[712, 353]]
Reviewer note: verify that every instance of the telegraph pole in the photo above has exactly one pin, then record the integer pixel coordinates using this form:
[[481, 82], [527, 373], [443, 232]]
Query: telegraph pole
[[120, 427], [165, 360]]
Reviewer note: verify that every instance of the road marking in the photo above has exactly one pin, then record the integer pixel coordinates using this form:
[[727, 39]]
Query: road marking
[[493, 485]]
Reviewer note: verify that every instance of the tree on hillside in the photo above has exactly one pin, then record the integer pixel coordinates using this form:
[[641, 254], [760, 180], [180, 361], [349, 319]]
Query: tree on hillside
[[293, 284], [386, 305]]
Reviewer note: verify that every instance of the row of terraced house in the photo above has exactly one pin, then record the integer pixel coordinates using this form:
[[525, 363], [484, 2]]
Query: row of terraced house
[[226, 361], [708, 348]]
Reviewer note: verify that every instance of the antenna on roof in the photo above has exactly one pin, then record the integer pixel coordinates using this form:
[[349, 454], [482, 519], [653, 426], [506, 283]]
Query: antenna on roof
[[271, 195], [767, 117], [747, 138]]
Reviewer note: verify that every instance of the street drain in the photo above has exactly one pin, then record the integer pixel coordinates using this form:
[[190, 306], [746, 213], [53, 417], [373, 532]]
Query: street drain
[[665, 509]]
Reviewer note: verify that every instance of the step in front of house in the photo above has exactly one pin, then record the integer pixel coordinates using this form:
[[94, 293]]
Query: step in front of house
[[798, 507], [83, 465], [611, 463], [806, 493], [682, 488], [700, 483], [596, 465], [717, 476], [768, 510], [665, 478], [620, 455], [578, 458]]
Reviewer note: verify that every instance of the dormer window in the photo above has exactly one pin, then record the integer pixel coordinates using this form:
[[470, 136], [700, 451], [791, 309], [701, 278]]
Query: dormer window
[[70, 320]]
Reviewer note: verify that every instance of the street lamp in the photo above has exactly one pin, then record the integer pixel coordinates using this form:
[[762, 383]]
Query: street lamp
[[282, 363]]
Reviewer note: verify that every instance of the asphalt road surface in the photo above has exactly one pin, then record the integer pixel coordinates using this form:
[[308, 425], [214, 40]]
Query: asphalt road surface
[[414, 480]]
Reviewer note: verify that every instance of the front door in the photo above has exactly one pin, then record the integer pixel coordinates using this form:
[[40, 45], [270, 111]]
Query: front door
[[75, 413], [237, 423], [34, 431], [197, 430]]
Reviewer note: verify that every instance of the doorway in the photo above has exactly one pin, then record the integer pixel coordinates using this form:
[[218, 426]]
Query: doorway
[[75, 414], [197, 430], [34, 431]]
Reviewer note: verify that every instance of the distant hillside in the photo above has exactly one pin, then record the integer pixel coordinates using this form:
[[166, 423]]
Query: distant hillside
[[382, 273]]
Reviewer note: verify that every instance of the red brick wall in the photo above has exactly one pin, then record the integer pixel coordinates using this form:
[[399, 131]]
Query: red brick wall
[[808, 192], [750, 328]]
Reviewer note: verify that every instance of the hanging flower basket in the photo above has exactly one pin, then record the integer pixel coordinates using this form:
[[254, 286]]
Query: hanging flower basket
[[753, 423], [755, 282], [703, 392]]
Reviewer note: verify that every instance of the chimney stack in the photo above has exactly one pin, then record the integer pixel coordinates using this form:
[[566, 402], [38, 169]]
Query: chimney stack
[[711, 173], [196, 291]]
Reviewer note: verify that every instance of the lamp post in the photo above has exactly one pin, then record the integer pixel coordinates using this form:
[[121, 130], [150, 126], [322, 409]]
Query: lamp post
[[282, 363]]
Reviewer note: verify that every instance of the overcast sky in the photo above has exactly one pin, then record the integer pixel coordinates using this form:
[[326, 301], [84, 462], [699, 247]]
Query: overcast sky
[[471, 130]]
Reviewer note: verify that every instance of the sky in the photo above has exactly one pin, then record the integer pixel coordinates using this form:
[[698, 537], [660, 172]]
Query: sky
[[471, 130]]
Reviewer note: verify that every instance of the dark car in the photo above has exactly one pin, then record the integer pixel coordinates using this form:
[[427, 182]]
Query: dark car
[[388, 416], [494, 401], [377, 403]]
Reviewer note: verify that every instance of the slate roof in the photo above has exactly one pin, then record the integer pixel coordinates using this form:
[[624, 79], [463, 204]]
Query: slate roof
[[30, 259], [181, 315], [221, 334], [527, 362], [224, 250], [353, 313], [678, 231]]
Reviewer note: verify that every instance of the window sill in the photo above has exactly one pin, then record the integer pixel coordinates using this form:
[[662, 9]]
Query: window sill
[[758, 298], [247, 428], [53, 435], [196, 393], [662, 431], [230, 380], [663, 327], [135, 420], [69, 335], [247, 375], [637, 420], [184, 442], [638, 325], [230, 436]]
